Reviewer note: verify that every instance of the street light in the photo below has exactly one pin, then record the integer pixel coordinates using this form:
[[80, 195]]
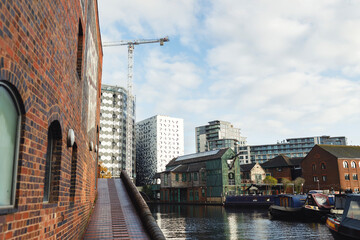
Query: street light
[[236, 143], [318, 182]]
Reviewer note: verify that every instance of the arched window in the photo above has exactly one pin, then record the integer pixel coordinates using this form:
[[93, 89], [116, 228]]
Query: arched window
[[345, 164], [10, 120], [353, 164], [53, 162], [323, 166]]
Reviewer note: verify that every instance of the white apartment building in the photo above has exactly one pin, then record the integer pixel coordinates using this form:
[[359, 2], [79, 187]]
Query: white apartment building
[[158, 140], [117, 133]]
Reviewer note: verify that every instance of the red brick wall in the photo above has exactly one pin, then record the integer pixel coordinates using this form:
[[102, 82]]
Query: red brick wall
[[38, 57], [351, 183], [316, 157], [284, 173]]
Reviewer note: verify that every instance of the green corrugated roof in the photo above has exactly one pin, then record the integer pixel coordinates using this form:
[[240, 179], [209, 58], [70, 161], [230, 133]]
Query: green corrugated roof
[[190, 167], [341, 151], [197, 158]]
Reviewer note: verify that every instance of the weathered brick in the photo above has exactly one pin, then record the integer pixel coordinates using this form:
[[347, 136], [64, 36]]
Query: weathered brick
[[40, 59], [8, 235]]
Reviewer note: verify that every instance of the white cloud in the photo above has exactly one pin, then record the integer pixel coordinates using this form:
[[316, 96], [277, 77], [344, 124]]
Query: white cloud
[[278, 68], [149, 18]]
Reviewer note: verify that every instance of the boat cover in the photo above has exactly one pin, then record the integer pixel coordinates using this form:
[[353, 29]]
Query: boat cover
[[294, 201], [351, 216]]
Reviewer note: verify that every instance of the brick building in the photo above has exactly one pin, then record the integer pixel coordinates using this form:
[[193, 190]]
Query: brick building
[[50, 79], [332, 167], [283, 167]]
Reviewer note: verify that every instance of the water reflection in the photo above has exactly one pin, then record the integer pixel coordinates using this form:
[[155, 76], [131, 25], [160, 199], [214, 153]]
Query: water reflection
[[216, 222]]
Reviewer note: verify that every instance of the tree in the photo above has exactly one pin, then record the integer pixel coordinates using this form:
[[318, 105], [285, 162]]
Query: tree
[[271, 181], [103, 171], [285, 183], [299, 182]]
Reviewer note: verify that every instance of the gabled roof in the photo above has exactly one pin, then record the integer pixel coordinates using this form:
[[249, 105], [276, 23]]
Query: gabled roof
[[278, 161], [192, 167], [197, 157], [282, 161], [296, 161], [246, 167], [342, 151]]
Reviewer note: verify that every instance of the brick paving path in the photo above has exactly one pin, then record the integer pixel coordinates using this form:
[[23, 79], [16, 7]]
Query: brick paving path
[[114, 216]]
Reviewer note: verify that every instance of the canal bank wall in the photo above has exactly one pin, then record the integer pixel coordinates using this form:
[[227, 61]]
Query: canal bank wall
[[142, 208]]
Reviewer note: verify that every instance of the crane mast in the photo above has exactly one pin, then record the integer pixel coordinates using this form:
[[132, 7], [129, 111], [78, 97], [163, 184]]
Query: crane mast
[[130, 99]]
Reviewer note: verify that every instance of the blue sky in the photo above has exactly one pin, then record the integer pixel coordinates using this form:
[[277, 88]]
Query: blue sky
[[275, 69]]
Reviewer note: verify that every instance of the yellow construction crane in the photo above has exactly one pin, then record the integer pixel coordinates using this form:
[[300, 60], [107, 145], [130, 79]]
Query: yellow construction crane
[[129, 102]]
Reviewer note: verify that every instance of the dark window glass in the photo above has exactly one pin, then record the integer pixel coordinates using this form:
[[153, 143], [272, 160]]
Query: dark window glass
[[323, 166], [49, 154], [73, 173]]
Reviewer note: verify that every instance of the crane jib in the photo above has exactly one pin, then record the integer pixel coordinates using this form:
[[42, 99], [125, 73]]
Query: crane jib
[[136, 42]]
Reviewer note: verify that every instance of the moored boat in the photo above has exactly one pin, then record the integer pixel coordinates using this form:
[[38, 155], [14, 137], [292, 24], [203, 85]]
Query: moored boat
[[249, 201], [339, 204], [348, 225], [316, 207], [288, 207]]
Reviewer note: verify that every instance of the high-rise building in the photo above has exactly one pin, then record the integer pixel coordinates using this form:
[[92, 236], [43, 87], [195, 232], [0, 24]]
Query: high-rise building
[[115, 151], [291, 147], [216, 135], [158, 140]]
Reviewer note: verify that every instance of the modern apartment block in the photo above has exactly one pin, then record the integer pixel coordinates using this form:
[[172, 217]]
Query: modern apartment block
[[159, 139], [116, 148], [291, 147], [216, 135]]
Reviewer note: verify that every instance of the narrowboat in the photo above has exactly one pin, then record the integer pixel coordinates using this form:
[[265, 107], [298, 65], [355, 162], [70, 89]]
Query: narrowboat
[[317, 206], [339, 204], [260, 201], [347, 226], [287, 207]]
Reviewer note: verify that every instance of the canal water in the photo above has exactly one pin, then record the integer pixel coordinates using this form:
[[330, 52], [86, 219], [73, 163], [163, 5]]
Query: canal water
[[217, 222]]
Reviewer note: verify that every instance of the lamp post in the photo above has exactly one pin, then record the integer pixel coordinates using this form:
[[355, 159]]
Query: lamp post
[[318, 183], [236, 143]]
